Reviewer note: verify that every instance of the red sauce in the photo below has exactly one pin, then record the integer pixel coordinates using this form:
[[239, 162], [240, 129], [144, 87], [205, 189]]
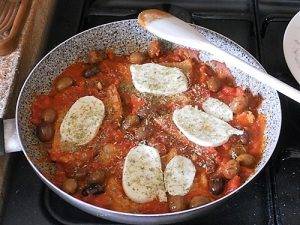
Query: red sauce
[[106, 152]]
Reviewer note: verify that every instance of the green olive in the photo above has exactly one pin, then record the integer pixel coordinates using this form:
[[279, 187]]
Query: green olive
[[231, 168], [213, 84], [246, 160], [49, 115], [63, 83], [70, 186], [239, 104], [137, 58], [130, 121]]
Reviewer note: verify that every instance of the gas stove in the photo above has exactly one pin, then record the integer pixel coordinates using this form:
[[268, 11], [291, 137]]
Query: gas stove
[[274, 195]]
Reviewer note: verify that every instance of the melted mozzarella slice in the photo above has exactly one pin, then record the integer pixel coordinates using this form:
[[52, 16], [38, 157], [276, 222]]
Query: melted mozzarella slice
[[218, 109], [202, 128], [157, 79], [81, 123], [179, 175], [142, 175]]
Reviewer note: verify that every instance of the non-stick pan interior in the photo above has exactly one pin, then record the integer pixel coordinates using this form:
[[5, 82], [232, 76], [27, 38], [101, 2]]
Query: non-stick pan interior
[[126, 37]]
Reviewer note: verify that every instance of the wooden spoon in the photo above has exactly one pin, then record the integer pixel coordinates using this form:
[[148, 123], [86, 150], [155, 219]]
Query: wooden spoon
[[4, 10], [2, 4], [8, 24], [172, 29]]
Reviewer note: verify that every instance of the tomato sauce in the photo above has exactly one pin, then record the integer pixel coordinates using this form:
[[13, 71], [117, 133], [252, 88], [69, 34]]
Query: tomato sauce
[[111, 82]]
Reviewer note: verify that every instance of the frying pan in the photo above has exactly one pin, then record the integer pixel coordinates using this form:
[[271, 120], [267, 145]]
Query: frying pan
[[125, 37]]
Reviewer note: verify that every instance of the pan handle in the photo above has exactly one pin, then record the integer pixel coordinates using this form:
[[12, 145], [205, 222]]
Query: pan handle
[[9, 141]]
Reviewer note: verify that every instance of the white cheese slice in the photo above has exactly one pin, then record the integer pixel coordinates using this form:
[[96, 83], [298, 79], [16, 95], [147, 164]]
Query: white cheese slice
[[202, 128], [179, 175], [218, 109], [157, 79], [142, 175], [81, 123]]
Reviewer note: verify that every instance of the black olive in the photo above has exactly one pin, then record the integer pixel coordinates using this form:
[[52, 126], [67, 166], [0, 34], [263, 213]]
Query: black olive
[[216, 185], [45, 132], [93, 189], [91, 72]]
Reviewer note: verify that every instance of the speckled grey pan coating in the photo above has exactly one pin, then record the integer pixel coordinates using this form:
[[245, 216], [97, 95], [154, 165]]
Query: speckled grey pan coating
[[126, 37]]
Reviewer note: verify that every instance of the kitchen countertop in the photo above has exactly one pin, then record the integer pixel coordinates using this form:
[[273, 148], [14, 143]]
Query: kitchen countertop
[[8, 70], [15, 67]]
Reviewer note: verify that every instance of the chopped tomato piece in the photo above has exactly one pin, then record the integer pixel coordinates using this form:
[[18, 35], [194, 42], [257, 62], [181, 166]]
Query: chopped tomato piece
[[110, 53], [69, 156], [256, 132], [75, 71], [136, 104], [245, 119], [233, 184], [102, 200], [185, 53], [233, 91], [222, 72], [154, 207], [199, 187], [245, 172], [114, 104], [167, 157], [205, 72], [227, 94], [40, 103], [60, 175]]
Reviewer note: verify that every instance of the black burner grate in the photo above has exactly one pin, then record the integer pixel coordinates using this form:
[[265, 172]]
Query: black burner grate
[[274, 196]]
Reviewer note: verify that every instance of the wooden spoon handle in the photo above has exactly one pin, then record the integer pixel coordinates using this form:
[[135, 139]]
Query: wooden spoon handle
[[4, 10], [172, 29], [259, 75], [9, 23]]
